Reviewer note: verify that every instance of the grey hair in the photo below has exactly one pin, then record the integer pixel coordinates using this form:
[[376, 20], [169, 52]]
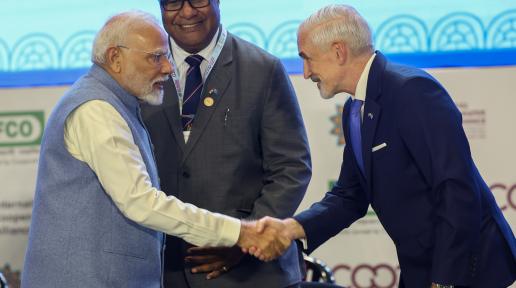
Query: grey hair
[[338, 22], [116, 30]]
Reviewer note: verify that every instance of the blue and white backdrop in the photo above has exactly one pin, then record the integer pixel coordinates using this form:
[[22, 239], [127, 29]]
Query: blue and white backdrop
[[470, 45]]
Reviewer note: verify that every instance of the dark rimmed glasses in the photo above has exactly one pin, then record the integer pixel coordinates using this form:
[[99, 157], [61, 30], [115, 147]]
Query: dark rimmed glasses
[[176, 5], [155, 57]]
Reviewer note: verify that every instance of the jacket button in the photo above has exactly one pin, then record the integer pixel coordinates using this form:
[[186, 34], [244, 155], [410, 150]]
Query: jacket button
[[186, 174]]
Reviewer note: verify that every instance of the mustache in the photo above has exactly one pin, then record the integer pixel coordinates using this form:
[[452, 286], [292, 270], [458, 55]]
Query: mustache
[[161, 79]]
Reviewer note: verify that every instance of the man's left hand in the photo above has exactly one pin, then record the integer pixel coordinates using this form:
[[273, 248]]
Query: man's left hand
[[213, 260]]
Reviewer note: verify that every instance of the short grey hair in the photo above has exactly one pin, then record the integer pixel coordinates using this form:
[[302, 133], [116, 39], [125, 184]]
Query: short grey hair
[[116, 30], [339, 22]]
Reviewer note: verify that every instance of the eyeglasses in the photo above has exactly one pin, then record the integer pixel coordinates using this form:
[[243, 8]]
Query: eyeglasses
[[156, 57], [176, 5]]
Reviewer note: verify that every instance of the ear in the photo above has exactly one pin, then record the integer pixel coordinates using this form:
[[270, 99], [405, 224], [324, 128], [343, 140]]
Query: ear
[[341, 52], [114, 59]]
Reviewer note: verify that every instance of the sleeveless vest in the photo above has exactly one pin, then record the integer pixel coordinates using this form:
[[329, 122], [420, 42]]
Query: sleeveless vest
[[78, 237]]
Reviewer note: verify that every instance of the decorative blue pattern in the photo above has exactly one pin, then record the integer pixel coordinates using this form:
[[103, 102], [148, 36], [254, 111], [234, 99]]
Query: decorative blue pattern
[[77, 50], [35, 52], [249, 32], [501, 33], [283, 40], [4, 56], [402, 34], [457, 39], [460, 31]]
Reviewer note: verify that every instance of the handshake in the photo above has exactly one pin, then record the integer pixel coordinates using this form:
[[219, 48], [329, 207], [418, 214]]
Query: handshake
[[268, 238]]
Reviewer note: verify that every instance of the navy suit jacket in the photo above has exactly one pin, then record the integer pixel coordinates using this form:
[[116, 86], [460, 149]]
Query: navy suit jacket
[[423, 185]]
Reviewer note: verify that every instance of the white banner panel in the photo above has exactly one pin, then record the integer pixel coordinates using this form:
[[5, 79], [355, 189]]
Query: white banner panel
[[23, 113]]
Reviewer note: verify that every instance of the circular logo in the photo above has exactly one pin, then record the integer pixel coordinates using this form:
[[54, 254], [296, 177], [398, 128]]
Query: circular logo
[[509, 203], [208, 101], [381, 275]]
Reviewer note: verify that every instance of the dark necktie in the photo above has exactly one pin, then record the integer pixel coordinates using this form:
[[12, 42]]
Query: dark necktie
[[193, 89], [355, 121]]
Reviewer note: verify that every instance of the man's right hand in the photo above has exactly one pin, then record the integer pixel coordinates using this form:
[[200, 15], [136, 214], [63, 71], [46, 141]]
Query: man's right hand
[[263, 240], [268, 238]]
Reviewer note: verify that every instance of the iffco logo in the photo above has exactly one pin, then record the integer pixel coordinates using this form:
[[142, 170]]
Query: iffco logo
[[508, 201], [21, 128], [381, 275]]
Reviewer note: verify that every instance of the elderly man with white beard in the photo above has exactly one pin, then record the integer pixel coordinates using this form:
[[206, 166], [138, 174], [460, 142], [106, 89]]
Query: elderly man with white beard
[[99, 216]]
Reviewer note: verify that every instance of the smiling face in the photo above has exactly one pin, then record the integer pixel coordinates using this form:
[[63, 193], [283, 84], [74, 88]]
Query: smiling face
[[192, 28], [319, 65]]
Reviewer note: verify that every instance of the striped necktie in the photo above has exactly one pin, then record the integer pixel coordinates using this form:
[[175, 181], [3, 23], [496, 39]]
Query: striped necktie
[[193, 90]]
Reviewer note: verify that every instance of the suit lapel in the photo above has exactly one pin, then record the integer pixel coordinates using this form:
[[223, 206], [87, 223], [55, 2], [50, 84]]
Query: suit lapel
[[171, 111], [214, 87], [372, 113]]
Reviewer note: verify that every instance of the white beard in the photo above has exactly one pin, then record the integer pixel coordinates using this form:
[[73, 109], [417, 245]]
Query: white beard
[[153, 98]]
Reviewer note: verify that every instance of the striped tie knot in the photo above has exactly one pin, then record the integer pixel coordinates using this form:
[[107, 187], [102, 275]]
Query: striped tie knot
[[194, 60]]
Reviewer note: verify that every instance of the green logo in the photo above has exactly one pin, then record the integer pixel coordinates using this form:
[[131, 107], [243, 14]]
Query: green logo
[[331, 183], [21, 128]]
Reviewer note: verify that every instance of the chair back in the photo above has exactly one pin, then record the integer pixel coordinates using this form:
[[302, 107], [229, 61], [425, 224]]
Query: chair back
[[3, 282], [317, 271]]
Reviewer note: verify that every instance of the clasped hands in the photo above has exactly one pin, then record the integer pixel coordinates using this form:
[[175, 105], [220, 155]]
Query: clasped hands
[[268, 238]]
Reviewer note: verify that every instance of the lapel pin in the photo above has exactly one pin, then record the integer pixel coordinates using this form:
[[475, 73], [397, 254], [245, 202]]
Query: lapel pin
[[214, 92], [208, 101], [370, 115]]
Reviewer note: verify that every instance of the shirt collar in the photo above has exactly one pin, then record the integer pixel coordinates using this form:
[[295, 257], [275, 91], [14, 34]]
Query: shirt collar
[[361, 90], [180, 54]]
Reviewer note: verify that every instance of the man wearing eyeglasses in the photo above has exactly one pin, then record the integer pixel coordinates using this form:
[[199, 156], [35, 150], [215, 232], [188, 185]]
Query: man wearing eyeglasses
[[230, 140], [98, 215]]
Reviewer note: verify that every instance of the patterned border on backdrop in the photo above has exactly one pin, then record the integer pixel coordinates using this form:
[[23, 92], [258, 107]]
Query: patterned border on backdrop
[[400, 34]]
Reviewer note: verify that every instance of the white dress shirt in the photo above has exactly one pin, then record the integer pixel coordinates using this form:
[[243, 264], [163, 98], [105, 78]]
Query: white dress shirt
[[360, 94], [96, 134], [361, 90], [179, 55]]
